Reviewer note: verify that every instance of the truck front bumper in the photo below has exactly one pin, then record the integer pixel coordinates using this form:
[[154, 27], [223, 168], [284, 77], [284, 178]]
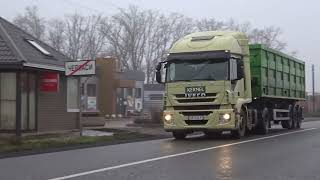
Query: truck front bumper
[[212, 122]]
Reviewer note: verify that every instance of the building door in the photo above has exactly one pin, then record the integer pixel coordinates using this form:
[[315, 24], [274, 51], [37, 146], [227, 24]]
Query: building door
[[28, 101], [7, 101]]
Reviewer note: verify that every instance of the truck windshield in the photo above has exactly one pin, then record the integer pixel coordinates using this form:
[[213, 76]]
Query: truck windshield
[[197, 70]]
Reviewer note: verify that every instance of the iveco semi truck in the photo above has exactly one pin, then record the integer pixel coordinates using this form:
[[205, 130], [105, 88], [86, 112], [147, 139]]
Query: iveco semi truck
[[215, 82]]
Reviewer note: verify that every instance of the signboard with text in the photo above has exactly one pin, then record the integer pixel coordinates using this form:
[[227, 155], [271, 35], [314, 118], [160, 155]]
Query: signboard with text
[[78, 68], [91, 103], [49, 82]]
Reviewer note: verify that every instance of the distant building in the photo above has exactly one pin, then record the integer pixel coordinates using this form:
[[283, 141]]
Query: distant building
[[308, 104], [153, 96], [112, 92], [35, 95]]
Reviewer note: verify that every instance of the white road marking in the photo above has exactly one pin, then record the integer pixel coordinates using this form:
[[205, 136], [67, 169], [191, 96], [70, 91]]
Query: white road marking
[[174, 155]]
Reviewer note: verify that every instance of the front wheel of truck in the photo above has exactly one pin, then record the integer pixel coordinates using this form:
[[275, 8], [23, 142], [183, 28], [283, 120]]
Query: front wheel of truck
[[179, 135], [241, 131]]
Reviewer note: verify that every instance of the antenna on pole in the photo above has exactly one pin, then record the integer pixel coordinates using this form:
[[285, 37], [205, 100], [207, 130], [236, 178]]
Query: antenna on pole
[[313, 97]]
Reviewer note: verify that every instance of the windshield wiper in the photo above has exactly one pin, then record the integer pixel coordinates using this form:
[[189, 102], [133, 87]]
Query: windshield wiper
[[205, 79], [181, 80]]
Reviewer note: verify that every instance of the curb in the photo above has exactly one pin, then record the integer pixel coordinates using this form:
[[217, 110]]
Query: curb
[[74, 147], [311, 119]]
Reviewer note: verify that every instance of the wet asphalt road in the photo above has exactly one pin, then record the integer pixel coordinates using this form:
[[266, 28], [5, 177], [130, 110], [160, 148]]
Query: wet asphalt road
[[282, 155]]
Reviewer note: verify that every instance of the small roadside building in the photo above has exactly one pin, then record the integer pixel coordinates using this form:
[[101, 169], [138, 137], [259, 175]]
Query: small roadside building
[[112, 92], [35, 95]]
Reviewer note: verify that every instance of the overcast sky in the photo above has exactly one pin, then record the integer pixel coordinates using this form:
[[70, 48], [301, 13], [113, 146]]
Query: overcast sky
[[298, 19]]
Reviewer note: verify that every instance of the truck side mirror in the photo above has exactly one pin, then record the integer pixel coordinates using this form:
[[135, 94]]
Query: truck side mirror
[[240, 69], [158, 73]]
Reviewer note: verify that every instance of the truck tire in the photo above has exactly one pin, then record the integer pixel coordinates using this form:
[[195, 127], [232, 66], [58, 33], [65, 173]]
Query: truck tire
[[289, 123], [299, 119], [295, 117], [179, 135], [263, 122], [241, 131]]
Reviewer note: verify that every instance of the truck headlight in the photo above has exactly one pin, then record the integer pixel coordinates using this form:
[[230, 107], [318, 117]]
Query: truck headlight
[[226, 116], [168, 118]]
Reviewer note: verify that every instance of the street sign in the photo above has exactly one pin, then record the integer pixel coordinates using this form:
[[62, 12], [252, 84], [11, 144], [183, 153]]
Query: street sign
[[49, 82], [78, 68]]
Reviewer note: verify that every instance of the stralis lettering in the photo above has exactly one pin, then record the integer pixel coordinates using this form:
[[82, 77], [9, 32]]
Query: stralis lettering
[[199, 91], [189, 95]]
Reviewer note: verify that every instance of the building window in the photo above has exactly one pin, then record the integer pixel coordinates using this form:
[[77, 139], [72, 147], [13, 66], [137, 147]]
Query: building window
[[91, 90], [7, 101], [38, 47], [129, 91], [138, 92], [156, 96], [72, 94]]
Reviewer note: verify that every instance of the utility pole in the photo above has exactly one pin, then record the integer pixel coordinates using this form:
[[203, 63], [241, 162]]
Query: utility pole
[[313, 96]]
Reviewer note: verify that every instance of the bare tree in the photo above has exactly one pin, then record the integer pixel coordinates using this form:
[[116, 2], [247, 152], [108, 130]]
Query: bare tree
[[158, 42], [210, 24], [268, 36], [182, 25], [76, 27], [233, 25], [94, 39], [31, 22], [126, 35], [163, 32], [138, 38], [56, 34]]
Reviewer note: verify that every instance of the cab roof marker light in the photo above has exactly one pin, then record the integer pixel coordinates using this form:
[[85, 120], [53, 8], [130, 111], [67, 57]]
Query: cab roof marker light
[[201, 38]]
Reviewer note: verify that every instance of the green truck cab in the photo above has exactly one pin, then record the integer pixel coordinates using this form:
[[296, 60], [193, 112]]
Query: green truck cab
[[215, 81]]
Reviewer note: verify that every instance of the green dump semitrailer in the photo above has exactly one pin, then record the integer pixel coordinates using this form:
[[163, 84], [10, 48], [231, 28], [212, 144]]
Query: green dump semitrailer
[[276, 75], [215, 81]]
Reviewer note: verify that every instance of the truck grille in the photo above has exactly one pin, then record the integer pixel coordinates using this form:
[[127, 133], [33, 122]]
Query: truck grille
[[181, 98], [207, 95], [195, 100], [201, 113], [192, 122], [198, 107]]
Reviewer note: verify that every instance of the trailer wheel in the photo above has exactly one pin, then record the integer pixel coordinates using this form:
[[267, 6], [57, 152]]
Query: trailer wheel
[[289, 123], [179, 135], [241, 131], [263, 123]]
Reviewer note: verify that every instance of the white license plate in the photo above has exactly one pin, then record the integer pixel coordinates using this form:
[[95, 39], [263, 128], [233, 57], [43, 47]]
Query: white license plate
[[194, 118]]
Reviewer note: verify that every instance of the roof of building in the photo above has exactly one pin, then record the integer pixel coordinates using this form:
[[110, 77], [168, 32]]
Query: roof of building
[[17, 46], [153, 87], [132, 75]]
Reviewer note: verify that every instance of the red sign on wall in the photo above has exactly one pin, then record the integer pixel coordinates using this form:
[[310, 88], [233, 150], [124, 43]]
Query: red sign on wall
[[49, 82]]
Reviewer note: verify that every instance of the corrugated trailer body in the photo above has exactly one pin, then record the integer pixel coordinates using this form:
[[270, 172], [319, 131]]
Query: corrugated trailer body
[[275, 74]]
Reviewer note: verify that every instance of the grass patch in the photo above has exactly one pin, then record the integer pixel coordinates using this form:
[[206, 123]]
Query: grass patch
[[50, 141]]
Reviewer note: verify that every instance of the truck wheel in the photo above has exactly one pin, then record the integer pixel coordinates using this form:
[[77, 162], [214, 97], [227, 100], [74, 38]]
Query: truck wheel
[[179, 135], [241, 131], [295, 117], [263, 123], [288, 124], [299, 118]]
